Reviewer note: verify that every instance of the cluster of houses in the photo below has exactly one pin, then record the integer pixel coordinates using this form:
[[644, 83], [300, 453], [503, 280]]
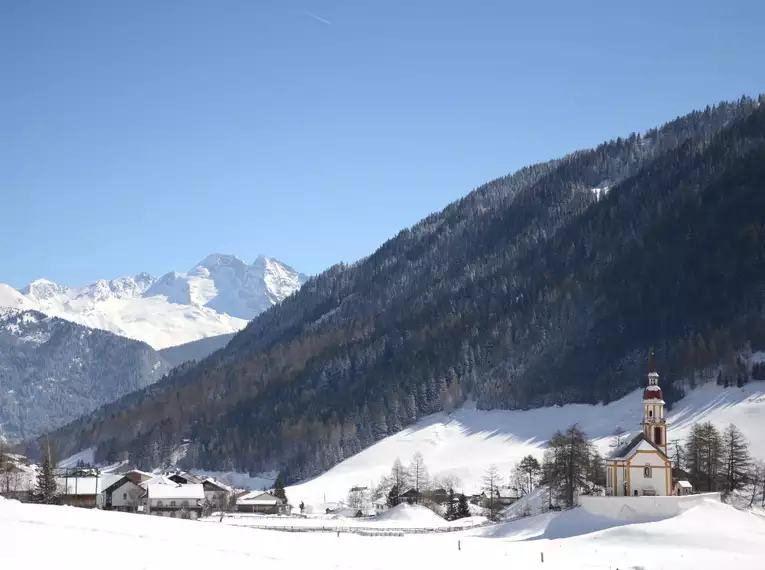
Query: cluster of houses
[[361, 504], [176, 494]]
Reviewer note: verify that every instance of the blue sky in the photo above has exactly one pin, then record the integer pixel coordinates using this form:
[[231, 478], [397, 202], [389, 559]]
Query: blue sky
[[144, 135]]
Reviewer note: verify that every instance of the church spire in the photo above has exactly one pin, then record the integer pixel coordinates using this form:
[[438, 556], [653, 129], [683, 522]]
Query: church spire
[[654, 423]]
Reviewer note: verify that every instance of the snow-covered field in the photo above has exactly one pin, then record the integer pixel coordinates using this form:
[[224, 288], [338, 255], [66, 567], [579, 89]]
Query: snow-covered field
[[465, 442], [710, 536], [405, 517]]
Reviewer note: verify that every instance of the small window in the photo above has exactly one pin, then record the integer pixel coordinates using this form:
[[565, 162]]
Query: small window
[[172, 503], [160, 504], [184, 503], [650, 413], [124, 496], [647, 471]]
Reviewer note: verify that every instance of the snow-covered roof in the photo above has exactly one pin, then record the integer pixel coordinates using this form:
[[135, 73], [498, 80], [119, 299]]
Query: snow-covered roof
[[187, 476], [259, 498], [139, 472], [85, 485], [640, 441], [217, 483], [685, 484], [176, 491], [158, 480], [16, 457]]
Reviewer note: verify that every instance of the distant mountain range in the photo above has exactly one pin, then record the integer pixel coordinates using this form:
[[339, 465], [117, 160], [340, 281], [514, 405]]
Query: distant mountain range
[[217, 296]]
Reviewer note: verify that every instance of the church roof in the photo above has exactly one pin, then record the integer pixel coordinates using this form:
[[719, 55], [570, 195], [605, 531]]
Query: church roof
[[626, 450]]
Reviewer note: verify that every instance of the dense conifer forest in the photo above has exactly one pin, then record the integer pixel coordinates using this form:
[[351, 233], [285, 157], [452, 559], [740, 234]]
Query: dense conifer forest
[[532, 290]]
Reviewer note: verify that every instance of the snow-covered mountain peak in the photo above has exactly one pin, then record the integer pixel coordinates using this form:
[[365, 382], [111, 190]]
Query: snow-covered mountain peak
[[219, 260], [42, 289], [217, 296]]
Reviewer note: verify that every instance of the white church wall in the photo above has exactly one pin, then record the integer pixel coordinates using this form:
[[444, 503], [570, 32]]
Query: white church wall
[[628, 508], [659, 474]]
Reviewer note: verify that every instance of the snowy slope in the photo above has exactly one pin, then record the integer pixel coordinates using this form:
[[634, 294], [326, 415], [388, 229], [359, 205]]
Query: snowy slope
[[12, 299], [217, 296], [465, 442], [707, 537]]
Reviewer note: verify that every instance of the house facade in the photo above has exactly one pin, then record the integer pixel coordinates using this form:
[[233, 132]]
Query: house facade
[[123, 495], [642, 467], [83, 489], [217, 495], [174, 500], [261, 502]]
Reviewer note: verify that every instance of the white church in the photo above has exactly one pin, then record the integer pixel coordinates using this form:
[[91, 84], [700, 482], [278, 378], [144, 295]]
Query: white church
[[642, 466]]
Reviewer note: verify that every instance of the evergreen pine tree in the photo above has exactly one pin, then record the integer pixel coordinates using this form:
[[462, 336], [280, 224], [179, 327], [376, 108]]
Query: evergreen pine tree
[[451, 507], [45, 491], [393, 497], [279, 488], [463, 509]]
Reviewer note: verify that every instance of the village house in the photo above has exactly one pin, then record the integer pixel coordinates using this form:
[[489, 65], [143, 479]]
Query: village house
[[83, 489], [380, 505], [683, 488], [123, 495], [137, 476], [173, 500], [412, 496], [642, 467], [217, 495], [262, 502]]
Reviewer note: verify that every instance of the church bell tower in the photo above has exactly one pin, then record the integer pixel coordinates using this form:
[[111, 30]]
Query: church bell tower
[[654, 423]]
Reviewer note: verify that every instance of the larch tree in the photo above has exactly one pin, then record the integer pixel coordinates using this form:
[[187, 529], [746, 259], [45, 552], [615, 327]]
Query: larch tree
[[756, 480], [400, 476], [491, 484], [529, 469], [735, 458], [568, 462], [418, 472]]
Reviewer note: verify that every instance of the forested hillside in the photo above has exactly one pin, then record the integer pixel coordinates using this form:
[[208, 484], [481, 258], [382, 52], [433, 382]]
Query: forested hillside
[[53, 371], [546, 286]]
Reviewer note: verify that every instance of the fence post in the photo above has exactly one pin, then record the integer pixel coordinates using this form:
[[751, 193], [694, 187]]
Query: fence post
[[459, 546]]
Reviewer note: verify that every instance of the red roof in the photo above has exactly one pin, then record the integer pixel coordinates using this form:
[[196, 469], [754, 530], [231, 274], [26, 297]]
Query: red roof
[[652, 393]]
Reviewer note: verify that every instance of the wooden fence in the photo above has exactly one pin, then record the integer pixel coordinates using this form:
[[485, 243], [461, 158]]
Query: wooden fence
[[363, 530]]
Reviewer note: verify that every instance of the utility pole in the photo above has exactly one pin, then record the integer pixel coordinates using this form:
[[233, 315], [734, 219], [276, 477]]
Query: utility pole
[[678, 452]]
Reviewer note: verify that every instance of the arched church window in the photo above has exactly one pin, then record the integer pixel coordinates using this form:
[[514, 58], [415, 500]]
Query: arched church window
[[650, 413], [647, 471]]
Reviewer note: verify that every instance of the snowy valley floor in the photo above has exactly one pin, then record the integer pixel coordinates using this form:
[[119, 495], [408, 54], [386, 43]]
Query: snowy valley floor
[[710, 536]]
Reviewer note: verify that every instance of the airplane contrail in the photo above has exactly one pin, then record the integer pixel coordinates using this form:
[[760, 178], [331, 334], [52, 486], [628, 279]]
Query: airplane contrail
[[315, 17]]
